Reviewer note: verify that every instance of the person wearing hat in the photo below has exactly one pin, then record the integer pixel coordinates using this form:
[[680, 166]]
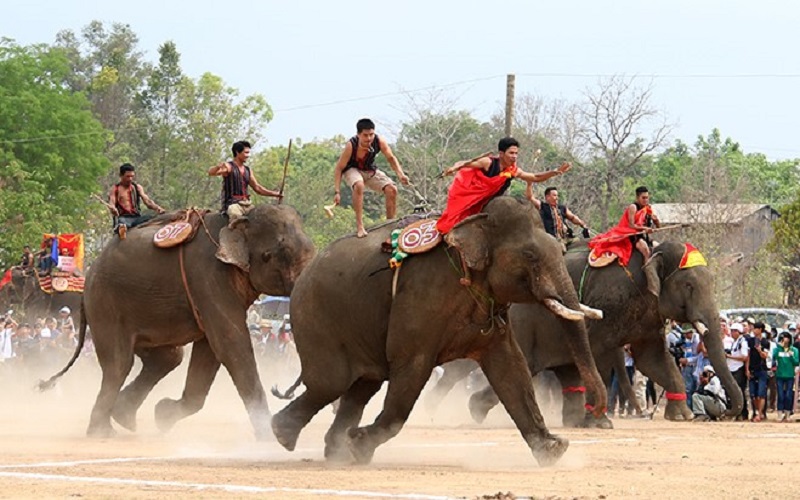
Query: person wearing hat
[[737, 356], [709, 401], [786, 359], [67, 326]]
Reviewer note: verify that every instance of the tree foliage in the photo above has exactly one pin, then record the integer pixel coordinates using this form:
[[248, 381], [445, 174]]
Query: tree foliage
[[50, 148]]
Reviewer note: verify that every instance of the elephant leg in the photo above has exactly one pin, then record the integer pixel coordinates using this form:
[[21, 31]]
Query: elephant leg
[[577, 401], [287, 423], [115, 361], [230, 343], [481, 402], [454, 372], [653, 360], [157, 362], [203, 368], [507, 372], [406, 381], [348, 414]]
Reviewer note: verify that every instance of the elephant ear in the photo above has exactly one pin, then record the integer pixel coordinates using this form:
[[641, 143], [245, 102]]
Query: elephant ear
[[652, 271], [470, 238], [233, 245]]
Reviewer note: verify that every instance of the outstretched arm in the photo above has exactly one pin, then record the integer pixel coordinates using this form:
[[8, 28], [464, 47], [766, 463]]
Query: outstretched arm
[[543, 176], [347, 152], [483, 162], [148, 201], [393, 161], [575, 219], [258, 188], [221, 169], [529, 194]]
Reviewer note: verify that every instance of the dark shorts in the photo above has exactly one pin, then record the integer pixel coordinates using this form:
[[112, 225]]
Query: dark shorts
[[758, 384]]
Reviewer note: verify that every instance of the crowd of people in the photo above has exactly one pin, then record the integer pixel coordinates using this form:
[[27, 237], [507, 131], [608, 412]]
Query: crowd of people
[[763, 359], [44, 342]]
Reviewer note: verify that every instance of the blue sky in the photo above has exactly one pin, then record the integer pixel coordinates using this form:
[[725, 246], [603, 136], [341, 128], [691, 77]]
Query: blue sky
[[725, 64]]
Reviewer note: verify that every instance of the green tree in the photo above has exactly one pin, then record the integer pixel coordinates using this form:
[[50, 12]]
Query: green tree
[[50, 148]]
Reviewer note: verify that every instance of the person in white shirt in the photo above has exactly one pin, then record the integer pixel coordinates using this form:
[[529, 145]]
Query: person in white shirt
[[6, 346], [737, 357], [709, 400]]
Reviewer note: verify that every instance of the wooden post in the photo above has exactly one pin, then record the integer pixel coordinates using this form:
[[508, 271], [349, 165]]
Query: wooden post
[[510, 82]]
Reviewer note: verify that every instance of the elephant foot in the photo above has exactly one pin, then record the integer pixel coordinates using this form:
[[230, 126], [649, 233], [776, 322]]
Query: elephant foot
[[167, 414], [677, 411], [124, 416], [262, 429], [361, 445], [478, 409], [285, 432], [547, 451], [601, 422], [101, 431], [338, 453]]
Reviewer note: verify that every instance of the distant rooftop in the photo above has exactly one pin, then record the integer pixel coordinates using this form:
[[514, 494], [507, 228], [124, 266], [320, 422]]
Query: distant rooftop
[[710, 213]]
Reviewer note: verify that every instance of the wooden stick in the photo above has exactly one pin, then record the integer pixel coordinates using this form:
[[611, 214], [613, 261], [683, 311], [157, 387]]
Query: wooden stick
[[622, 237], [104, 202], [285, 171], [484, 155]]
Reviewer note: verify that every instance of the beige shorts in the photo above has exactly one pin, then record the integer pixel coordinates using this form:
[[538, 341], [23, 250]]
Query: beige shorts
[[375, 180]]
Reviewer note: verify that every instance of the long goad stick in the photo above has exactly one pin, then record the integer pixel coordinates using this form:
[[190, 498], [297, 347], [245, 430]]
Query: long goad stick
[[484, 155], [104, 202], [622, 237], [285, 171]]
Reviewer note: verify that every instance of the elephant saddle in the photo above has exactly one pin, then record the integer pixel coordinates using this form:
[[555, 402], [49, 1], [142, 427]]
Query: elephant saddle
[[180, 228], [602, 259], [414, 234], [59, 281]]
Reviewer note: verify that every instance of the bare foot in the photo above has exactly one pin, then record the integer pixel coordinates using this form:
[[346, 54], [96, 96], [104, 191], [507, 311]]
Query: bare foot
[[361, 232]]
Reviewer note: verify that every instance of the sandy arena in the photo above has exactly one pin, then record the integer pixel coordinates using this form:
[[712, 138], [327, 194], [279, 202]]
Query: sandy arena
[[214, 455]]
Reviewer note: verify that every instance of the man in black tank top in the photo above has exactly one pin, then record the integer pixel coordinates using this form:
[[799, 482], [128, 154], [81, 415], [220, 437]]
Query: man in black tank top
[[553, 214], [236, 178], [356, 165]]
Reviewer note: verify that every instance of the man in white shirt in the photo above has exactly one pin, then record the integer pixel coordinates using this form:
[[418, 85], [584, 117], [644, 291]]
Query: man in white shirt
[[737, 357], [6, 346]]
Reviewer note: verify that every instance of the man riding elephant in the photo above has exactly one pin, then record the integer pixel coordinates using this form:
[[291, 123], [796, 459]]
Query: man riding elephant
[[147, 301], [353, 332]]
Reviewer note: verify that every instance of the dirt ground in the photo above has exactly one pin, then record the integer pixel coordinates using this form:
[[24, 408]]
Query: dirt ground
[[213, 454]]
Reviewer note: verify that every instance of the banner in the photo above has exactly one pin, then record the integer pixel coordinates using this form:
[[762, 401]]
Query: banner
[[65, 245]]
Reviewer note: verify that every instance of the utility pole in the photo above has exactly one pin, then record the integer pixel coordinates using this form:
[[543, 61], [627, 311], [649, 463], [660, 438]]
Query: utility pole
[[510, 84]]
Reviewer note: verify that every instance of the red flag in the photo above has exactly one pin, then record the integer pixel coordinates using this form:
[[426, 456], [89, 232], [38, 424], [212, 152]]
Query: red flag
[[6, 279], [469, 193], [617, 239]]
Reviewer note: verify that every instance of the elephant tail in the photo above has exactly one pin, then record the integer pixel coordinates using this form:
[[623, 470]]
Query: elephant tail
[[48, 384], [289, 394]]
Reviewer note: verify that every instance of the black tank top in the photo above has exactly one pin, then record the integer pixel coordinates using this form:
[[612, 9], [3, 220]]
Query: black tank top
[[234, 186], [368, 162], [546, 212], [494, 171]]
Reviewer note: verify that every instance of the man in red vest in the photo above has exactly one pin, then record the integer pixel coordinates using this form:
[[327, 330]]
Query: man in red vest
[[481, 179]]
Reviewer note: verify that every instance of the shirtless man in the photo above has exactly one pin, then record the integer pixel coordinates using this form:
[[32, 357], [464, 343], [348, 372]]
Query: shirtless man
[[356, 166], [125, 201]]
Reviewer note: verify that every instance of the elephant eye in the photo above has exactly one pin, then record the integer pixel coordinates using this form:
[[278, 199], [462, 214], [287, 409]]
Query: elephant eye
[[266, 256], [530, 256]]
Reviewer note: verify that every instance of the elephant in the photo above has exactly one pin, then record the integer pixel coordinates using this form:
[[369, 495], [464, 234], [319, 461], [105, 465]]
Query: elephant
[[636, 301], [353, 332], [149, 301], [23, 292]]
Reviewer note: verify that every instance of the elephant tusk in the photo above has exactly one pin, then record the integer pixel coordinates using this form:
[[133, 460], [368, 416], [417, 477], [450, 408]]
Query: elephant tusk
[[565, 312], [701, 327], [591, 312]]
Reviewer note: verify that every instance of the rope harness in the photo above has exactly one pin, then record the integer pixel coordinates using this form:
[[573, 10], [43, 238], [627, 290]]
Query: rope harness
[[195, 311]]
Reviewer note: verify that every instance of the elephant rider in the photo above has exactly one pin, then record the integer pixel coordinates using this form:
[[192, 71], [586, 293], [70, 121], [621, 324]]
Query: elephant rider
[[237, 176], [553, 214], [633, 229], [481, 179], [709, 400], [125, 201], [26, 262], [356, 165]]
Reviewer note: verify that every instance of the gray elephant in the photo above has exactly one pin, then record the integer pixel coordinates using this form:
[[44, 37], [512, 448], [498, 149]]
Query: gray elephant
[[23, 294], [636, 302], [147, 301], [352, 334]]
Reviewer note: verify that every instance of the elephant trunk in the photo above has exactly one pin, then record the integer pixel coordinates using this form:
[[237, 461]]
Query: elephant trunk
[[716, 354], [578, 344]]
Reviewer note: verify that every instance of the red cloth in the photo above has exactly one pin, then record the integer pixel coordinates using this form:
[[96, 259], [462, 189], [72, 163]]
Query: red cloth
[[469, 193], [6, 279], [617, 239]]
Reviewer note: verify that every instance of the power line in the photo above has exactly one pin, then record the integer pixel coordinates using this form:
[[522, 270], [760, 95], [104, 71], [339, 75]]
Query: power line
[[664, 75], [388, 94]]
